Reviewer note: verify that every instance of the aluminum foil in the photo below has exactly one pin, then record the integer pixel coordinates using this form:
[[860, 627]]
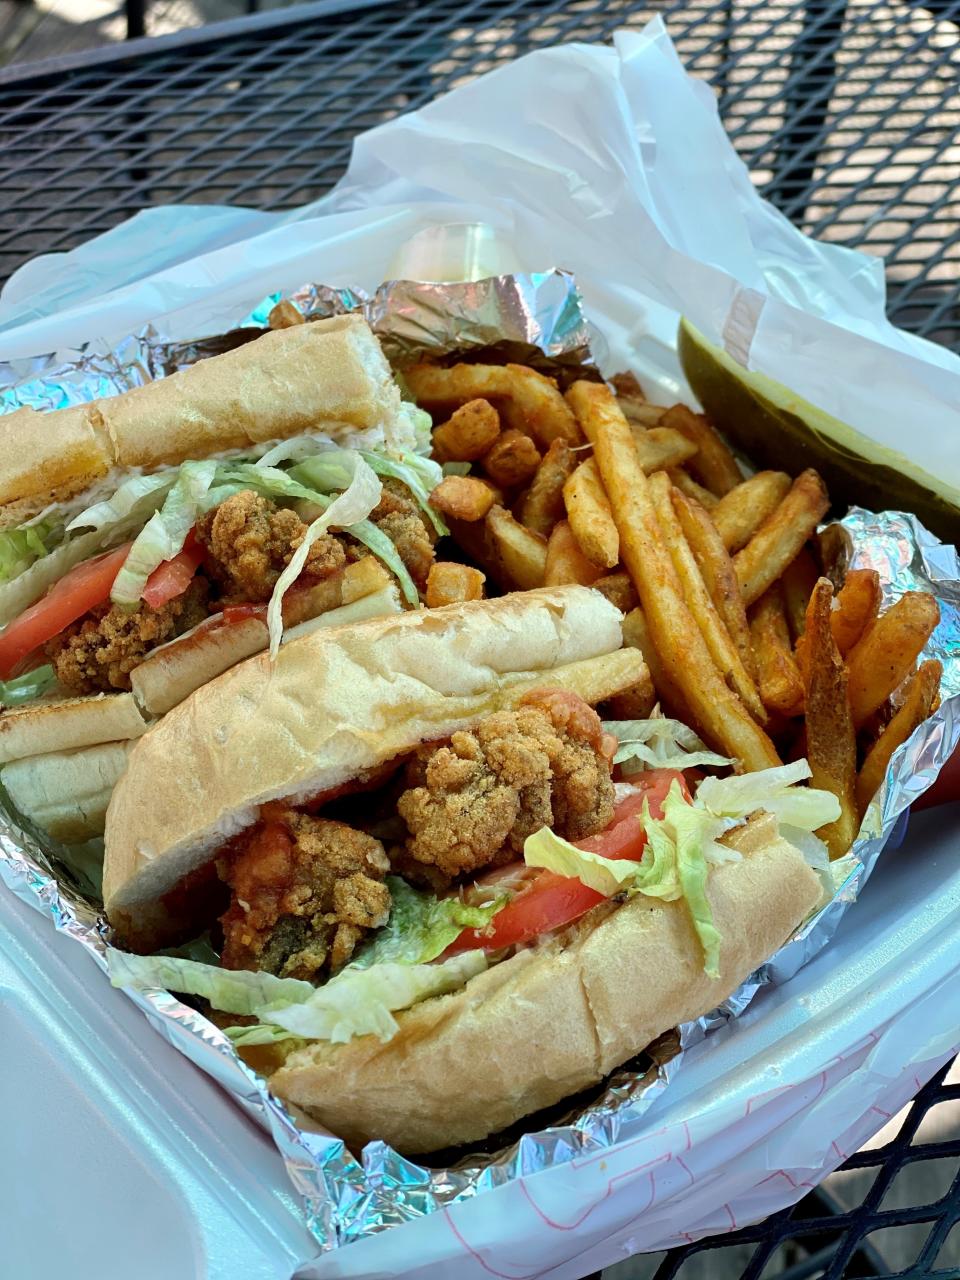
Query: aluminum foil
[[535, 318], [349, 1197]]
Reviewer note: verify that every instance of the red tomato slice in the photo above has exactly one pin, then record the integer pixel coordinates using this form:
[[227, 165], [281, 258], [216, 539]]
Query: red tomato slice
[[172, 578], [82, 589], [551, 901]]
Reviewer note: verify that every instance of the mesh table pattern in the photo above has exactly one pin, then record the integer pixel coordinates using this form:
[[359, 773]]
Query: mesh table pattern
[[846, 111]]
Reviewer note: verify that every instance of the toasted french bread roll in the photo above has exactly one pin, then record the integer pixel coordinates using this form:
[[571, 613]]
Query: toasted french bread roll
[[327, 375], [63, 724], [66, 793]]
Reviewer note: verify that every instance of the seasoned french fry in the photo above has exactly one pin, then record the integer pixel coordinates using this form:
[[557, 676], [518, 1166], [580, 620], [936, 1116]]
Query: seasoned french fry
[[716, 710], [686, 484], [521, 553], [740, 513], [884, 656], [285, 315], [565, 561], [636, 634], [619, 590], [831, 739], [513, 459], [781, 686], [633, 402], [778, 540], [799, 579], [468, 433], [463, 497], [856, 606], [542, 504], [449, 583], [626, 386], [921, 694], [528, 401], [588, 510], [719, 578], [662, 447], [714, 465], [722, 649]]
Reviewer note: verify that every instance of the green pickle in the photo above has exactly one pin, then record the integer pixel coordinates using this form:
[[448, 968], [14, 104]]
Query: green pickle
[[773, 425]]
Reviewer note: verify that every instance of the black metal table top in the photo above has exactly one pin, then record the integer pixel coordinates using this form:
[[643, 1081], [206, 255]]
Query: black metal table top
[[846, 111]]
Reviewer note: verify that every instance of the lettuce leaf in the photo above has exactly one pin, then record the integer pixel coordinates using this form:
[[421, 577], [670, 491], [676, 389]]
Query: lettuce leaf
[[692, 830], [359, 1002], [33, 684], [230, 990], [138, 496], [164, 534], [331, 469], [354, 504], [773, 790], [274, 483], [421, 926], [20, 548], [29, 586], [660, 743], [604, 875], [356, 1002]]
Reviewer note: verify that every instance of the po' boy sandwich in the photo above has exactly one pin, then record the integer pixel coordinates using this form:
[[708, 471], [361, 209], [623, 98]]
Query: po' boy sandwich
[[151, 540], [424, 860]]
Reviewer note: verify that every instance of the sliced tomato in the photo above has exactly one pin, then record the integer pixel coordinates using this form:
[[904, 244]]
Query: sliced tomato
[[172, 578], [550, 901], [81, 590]]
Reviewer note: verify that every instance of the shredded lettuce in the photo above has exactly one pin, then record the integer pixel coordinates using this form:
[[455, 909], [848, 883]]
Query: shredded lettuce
[[693, 830], [605, 875], [456, 468], [164, 534], [230, 990], [20, 548], [773, 790], [138, 496], [331, 469], [32, 684], [359, 1002], [659, 743], [420, 424], [354, 504], [280, 484], [421, 926], [356, 1002], [293, 449], [420, 475], [29, 586]]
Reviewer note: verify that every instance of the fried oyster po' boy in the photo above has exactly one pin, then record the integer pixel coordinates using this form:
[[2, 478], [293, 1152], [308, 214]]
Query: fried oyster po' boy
[[145, 538], [414, 849]]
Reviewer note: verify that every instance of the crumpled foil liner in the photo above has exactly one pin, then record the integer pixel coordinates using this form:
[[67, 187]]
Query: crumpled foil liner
[[535, 318], [348, 1197]]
